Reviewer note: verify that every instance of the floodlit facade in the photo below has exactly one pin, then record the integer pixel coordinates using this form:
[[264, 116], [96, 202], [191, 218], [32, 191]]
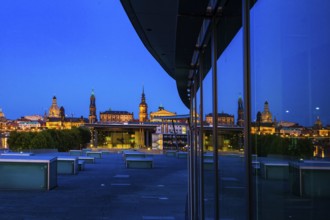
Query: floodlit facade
[[116, 116], [162, 112]]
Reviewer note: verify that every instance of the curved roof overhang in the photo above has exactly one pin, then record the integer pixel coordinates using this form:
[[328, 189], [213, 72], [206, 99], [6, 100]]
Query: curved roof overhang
[[170, 30]]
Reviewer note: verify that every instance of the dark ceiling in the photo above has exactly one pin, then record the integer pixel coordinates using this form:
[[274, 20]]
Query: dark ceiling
[[169, 30]]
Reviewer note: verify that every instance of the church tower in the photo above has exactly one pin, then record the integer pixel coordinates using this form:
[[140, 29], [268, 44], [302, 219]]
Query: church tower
[[318, 123], [143, 108], [240, 112], [266, 115], [62, 113], [92, 109]]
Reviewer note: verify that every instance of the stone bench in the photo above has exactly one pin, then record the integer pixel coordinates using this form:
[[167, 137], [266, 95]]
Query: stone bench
[[28, 173], [105, 152], [85, 150], [310, 179], [274, 170], [75, 152], [134, 162], [81, 165], [67, 165], [133, 154], [94, 154], [87, 159]]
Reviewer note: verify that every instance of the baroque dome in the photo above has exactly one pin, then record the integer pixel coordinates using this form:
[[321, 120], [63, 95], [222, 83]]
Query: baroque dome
[[54, 110]]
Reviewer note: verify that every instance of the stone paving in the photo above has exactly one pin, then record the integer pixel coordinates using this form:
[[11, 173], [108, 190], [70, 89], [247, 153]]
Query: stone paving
[[106, 190]]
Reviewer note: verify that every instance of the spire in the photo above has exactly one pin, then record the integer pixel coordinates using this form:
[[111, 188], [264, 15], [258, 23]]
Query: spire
[[240, 103], [54, 101], [143, 108], [143, 98], [92, 99], [240, 112], [92, 108]]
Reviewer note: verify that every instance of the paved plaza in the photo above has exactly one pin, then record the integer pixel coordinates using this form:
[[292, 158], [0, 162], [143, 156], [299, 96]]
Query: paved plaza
[[109, 190], [106, 190]]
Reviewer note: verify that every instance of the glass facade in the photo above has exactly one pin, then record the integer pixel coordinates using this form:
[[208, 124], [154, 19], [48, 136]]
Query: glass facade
[[277, 165], [290, 41]]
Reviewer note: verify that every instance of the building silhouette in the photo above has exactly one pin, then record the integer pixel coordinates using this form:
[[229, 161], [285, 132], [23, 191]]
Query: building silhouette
[[143, 108], [240, 113], [266, 115], [92, 118]]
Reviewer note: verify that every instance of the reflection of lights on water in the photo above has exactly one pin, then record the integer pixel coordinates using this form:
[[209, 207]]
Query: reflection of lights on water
[[317, 108], [287, 111]]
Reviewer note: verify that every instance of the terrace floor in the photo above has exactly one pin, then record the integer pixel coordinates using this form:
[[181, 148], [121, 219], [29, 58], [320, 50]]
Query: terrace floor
[[106, 190], [109, 190]]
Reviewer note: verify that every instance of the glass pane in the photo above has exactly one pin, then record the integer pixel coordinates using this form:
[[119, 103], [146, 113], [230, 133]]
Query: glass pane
[[208, 169], [231, 157], [290, 77]]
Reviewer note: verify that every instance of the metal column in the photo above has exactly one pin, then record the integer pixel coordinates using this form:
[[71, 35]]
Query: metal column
[[247, 105], [201, 131], [196, 179], [191, 195], [214, 46]]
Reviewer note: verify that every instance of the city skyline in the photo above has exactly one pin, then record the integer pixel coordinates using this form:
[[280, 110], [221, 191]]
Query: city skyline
[[50, 50], [66, 49], [266, 111]]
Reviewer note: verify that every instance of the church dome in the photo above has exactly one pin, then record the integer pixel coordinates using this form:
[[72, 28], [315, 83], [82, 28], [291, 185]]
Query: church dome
[[54, 110]]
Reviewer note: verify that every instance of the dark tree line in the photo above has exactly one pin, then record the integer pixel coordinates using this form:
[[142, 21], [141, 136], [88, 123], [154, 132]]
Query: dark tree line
[[272, 144], [62, 140]]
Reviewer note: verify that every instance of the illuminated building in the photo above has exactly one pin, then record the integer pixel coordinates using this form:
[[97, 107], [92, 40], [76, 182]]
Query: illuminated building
[[92, 109], [154, 116], [143, 109], [34, 117], [3, 120], [260, 127], [223, 119], [57, 119], [116, 116], [2, 115], [240, 113], [54, 110], [266, 115], [264, 124], [318, 123], [27, 124]]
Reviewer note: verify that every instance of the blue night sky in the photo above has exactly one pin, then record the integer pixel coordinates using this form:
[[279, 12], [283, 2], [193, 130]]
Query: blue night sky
[[68, 48]]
